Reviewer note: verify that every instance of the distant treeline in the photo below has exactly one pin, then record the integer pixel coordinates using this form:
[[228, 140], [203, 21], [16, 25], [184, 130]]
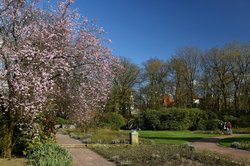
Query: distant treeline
[[219, 78]]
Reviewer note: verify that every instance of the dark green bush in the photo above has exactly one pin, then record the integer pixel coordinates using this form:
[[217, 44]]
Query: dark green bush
[[112, 120], [49, 155], [197, 118], [213, 124], [211, 115], [150, 120], [229, 118], [173, 119], [177, 119], [243, 121]]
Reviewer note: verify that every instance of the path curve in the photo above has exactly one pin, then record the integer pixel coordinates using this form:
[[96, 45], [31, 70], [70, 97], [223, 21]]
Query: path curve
[[212, 144], [82, 156]]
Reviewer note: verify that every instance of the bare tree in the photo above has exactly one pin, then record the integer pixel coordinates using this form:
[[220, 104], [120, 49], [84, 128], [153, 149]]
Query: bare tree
[[185, 66], [121, 98], [154, 76]]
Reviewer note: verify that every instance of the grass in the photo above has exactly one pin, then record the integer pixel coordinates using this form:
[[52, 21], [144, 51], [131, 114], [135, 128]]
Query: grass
[[13, 162], [107, 136], [244, 142], [161, 155], [173, 137]]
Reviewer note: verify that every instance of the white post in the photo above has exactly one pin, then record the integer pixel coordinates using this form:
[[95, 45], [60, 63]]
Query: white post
[[1, 41]]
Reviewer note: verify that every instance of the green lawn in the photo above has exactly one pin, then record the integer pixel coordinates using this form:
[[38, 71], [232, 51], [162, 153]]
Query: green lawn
[[244, 141], [158, 137], [13, 162], [172, 137]]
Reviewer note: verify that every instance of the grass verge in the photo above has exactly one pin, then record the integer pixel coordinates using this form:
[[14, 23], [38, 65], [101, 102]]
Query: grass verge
[[241, 142], [173, 137], [108, 136]]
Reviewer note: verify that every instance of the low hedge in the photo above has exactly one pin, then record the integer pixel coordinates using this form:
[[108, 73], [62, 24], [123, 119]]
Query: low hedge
[[176, 119]]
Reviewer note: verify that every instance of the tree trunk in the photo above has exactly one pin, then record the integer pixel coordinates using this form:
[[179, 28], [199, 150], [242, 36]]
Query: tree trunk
[[7, 139], [236, 103]]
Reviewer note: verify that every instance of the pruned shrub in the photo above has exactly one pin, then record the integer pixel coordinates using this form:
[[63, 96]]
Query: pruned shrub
[[112, 120], [49, 154], [149, 119], [243, 121], [213, 124], [177, 119]]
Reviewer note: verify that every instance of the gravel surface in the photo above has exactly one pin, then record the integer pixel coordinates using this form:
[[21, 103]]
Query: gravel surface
[[212, 144], [82, 156]]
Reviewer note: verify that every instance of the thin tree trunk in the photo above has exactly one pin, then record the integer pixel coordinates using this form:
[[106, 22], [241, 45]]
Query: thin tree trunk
[[7, 137]]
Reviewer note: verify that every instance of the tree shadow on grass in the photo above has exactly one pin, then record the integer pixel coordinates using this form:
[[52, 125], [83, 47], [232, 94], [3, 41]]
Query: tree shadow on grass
[[186, 139], [234, 139]]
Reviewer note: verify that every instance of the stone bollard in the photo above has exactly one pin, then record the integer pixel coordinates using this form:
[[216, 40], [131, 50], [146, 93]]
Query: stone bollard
[[134, 137]]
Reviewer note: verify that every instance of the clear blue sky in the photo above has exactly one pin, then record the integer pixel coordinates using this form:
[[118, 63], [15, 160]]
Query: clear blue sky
[[141, 29]]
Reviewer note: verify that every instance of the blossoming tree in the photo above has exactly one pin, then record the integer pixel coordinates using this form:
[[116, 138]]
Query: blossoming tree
[[44, 54]]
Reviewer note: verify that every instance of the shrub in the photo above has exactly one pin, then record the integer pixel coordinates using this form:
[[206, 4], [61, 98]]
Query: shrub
[[49, 154], [235, 145], [243, 121], [150, 119], [173, 119], [198, 119], [213, 124], [112, 120]]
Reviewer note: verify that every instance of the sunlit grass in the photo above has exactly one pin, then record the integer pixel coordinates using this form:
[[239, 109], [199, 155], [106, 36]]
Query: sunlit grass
[[173, 137], [101, 135], [244, 142]]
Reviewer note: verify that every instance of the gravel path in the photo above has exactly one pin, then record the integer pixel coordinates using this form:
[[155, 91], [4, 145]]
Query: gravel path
[[82, 156], [211, 144]]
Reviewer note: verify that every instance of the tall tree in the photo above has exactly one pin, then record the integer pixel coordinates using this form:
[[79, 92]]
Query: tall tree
[[239, 63], [155, 74], [121, 98], [216, 65], [185, 67]]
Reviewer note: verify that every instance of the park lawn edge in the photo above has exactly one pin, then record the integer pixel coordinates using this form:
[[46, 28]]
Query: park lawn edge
[[227, 142]]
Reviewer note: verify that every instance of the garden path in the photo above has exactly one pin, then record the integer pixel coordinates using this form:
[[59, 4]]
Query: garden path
[[81, 156], [212, 144]]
